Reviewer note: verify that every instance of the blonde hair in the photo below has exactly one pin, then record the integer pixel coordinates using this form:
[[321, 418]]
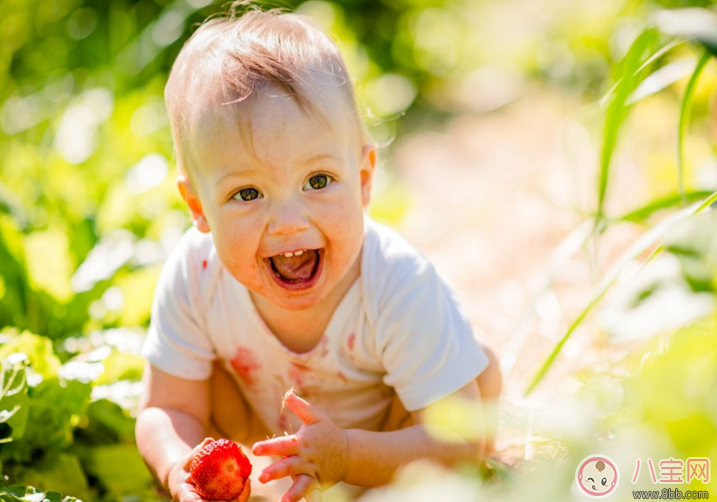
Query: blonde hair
[[231, 58]]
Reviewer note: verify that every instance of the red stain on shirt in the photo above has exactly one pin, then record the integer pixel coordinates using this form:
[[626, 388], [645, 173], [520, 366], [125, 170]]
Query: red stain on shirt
[[352, 341], [297, 372], [299, 366], [204, 264], [324, 345], [245, 363]]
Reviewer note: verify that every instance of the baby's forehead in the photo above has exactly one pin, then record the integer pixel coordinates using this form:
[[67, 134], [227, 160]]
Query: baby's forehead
[[269, 129], [328, 106]]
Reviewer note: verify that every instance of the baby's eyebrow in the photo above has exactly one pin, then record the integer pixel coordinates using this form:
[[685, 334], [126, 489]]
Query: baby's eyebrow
[[320, 157], [223, 176]]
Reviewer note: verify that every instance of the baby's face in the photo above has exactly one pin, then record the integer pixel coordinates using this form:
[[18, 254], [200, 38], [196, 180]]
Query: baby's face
[[595, 481], [285, 202]]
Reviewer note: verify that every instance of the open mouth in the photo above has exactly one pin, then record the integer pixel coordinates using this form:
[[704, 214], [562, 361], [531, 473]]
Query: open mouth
[[296, 270]]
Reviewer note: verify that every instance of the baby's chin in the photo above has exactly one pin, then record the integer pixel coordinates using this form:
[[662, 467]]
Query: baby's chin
[[294, 301]]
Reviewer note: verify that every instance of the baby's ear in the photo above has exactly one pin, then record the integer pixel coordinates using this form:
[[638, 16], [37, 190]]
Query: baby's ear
[[195, 206], [368, 164]]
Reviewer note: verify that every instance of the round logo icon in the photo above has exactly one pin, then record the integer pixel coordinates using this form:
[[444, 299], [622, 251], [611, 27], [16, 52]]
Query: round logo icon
[[597, 476]]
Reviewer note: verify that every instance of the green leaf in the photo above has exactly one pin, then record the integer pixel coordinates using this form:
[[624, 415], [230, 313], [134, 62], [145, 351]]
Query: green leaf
[[23, 494], [49, 263], [59, 472], [14, 402], [18, 490], [55, 410], [108, 423], [706, 203], [39, 350], [137, 289], [685, 107], [662, 78], [102, 463], [629, 76], [643, 213], [6, 497], [16, 297], [121, 366], [695, 246]]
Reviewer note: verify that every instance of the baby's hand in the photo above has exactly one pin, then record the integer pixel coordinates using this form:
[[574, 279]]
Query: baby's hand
[[180, 483], [316, 457]]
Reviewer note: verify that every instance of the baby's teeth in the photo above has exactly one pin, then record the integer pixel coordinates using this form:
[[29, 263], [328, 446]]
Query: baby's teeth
[[295, 253]]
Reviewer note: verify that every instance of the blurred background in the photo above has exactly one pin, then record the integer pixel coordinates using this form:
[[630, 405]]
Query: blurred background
[[499, 124]]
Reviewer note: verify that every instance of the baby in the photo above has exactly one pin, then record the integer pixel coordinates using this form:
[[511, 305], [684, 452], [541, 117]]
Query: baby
[[285, 311]]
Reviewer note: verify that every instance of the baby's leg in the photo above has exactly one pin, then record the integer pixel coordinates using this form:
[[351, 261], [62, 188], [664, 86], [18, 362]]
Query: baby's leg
[[490, 384], [231, 415]]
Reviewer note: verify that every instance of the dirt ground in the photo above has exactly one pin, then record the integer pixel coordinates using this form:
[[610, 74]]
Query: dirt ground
[[491, 198]]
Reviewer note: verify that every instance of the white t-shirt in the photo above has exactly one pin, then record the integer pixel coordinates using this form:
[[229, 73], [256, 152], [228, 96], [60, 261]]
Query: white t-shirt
[[398, 328]]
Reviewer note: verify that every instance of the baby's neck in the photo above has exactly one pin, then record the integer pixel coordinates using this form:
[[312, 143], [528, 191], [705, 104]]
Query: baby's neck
[[301, 330]]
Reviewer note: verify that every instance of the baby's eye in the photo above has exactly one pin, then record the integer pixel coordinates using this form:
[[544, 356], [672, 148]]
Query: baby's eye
[[604, 481], [591, 479], [318, 181], [247, 194]]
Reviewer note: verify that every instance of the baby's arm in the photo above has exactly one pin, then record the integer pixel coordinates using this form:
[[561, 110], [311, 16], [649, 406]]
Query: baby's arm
[[173, 418], [322, 454]]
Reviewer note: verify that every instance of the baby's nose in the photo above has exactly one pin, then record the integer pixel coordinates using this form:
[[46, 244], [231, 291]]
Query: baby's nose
[[287, 219]]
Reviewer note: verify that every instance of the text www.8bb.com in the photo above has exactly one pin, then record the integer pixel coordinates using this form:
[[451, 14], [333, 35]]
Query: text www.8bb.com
[[670, 494]]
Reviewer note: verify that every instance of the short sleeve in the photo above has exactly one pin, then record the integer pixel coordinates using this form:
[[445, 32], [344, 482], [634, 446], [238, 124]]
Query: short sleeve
[[177, 341], [427, 344]]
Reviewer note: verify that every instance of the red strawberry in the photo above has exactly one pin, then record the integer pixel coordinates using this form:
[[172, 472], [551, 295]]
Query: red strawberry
[[220, 470]]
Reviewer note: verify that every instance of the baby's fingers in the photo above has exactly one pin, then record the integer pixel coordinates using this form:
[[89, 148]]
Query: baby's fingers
[[304, 487], [290, 466], [282, 446]]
